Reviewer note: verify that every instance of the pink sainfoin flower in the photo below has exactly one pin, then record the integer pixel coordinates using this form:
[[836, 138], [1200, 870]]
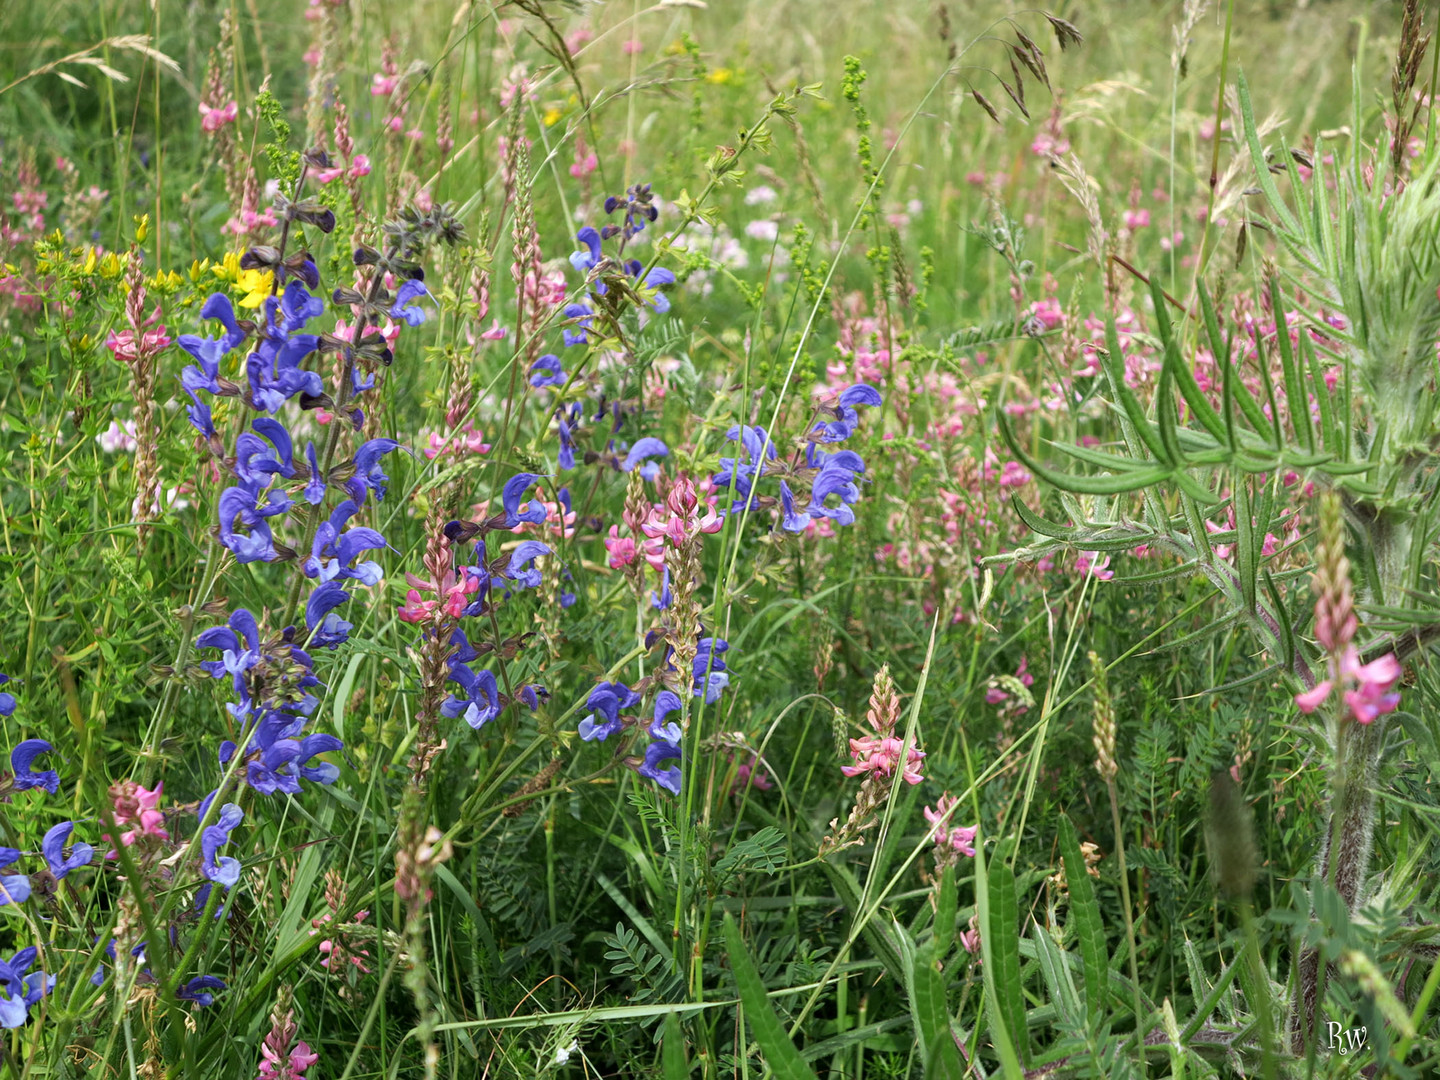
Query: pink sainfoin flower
[[1136, 219], [681, 519], [1366, 690], [950, 840], [1090, 562], [212, 119], [880, 754], [134, 805], [282, 1057]]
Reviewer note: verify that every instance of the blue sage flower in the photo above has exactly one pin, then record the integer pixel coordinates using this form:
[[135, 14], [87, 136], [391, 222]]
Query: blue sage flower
[[238, 511], [22, 758], [404, 307], [648, 447], [664, 745], [709, 671], [368, 475], [547, 372], [204, 374], [525, 553], [606, 701], [327, 630], [256, 461], [587, 260], [198, 990], [221, 869], [516, 512], [19, 991], [315, 487], [14, 888], [481, 702], [584, 317], [53, 848], [7, 700]]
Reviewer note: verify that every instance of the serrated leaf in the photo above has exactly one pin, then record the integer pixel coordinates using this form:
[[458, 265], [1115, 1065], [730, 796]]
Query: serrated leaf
[[780, 1053]]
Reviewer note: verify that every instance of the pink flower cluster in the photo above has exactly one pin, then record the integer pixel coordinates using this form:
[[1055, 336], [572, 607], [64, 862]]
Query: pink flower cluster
[[453, 595], [212, 119], [960, 838], [282, 1066], [359, 167], [1366, 689], [134, 805]]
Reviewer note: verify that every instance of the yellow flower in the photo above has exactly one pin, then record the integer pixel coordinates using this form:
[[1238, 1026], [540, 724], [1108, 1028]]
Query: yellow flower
[[197, 269], [552, 116], [256, 285], [228, 269], [111, 266], [720, 76], [91, 261]]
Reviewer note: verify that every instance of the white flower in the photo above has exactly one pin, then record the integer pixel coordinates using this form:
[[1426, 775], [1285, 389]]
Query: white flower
[[562, 1053], [762, 194]]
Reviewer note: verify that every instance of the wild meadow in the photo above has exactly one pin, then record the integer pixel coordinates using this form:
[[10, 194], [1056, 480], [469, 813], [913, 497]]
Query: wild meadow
[[733, 539]]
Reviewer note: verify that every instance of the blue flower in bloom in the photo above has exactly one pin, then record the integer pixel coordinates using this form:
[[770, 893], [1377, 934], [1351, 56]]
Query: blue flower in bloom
[[404, 306], [14, 888], [256, 462], [709, 669], [21, 760], [315, 487], [664, 744], [204, 374], [793, 521], [332, 551], [515, 511], [838, 481], [240, 630], [647, 447], [327, 630], [531, 694], [368, 475], [847, 418], [7, 700], [276, 759], [53, 848], [19, 991], [238, 511], [547, 372], [481, 702], [274, 367], [223, 870], [740, 472], [584, 317], [197, 990], [526, 552], [606, 700], [587, 260], [200, 416]]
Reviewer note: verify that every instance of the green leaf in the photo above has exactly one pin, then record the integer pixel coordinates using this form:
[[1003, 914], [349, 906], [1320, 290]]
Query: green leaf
[[1115, 370], [1056, 973], [932, 1016], [1245, 545], [672, 1050], [1004, 959], [1200, 406], [780, 1053], [1083, 485], [1257, 157], [1085, 921], [999, 1035], [1294, 387]]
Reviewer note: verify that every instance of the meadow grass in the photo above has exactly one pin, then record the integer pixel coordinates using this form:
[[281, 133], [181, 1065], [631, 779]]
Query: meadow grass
[[964, 604]]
